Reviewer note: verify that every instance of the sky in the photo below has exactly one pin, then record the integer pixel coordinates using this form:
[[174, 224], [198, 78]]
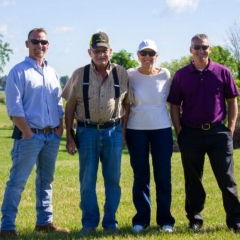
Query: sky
[[70, 24]]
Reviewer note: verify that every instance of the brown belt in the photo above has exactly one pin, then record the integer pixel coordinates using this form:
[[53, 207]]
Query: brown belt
[[44, 130]]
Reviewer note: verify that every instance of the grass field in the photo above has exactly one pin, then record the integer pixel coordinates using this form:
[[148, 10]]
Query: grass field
[[66, 198]]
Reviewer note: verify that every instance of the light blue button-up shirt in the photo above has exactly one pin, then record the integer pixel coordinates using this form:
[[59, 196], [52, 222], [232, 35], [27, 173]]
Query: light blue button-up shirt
[[34, 92]]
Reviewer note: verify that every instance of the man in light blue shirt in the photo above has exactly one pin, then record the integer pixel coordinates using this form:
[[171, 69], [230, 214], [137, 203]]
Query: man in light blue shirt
[[33, 98]]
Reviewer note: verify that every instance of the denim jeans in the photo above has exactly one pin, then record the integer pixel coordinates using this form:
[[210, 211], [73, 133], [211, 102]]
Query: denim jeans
[[41, 150], [160, 144], [104, 145], [217, 143]]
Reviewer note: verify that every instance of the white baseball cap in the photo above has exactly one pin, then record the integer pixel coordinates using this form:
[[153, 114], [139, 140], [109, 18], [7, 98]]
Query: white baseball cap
[[147, 43]]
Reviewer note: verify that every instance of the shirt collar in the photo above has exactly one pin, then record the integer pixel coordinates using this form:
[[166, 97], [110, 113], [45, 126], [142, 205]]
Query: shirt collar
[[108, 69], [209, 67], [34, 62]]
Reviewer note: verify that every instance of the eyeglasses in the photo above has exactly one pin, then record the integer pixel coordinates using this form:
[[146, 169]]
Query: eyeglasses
[[198, 47], [97, 51], [150, 53], [36, 42]]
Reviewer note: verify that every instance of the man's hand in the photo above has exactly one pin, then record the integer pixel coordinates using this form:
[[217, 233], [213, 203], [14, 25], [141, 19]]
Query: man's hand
[[71, 147]]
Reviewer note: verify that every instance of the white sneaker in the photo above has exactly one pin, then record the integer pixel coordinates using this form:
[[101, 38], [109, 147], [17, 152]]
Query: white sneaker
[[137, 228], [167, 228]]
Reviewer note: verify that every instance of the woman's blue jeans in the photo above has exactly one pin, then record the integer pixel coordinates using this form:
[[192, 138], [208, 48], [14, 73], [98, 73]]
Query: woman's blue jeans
[[160, 144], [104, 145]]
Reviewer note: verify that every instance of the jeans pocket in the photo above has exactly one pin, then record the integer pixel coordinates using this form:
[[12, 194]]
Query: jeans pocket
[[57, 136], [26, 139], [118, 128]]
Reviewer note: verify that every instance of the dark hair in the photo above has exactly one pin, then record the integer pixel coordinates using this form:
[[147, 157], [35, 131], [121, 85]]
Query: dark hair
[[37, 30], [199, 36]]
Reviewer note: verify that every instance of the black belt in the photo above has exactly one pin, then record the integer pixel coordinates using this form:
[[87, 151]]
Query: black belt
[[46, 130], [99, 125], [205, 126]]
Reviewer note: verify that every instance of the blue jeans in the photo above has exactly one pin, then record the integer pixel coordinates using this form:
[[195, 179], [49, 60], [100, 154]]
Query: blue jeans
[[40, 150], [160, 144], [106, 145]]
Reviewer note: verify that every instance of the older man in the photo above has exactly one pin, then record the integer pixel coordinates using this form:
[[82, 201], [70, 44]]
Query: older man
[[97, 95]]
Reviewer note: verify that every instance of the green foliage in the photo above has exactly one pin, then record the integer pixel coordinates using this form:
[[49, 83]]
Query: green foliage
[[4, 53], [63, 81], [5, 121], [237, 81], [224, 57], [176, 64], [3, 80], [218, 54], [124, 59]]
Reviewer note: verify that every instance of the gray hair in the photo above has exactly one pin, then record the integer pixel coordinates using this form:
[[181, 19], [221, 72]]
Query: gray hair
[[200, 37]]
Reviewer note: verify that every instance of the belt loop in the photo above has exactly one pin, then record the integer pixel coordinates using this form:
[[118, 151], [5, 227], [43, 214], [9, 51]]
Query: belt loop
[[36, 129]]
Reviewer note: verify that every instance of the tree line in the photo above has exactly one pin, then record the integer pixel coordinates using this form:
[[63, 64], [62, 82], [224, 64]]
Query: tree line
[[229, 55]]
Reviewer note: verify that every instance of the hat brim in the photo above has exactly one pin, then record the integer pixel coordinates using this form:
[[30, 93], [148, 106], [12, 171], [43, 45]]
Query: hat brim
[[100, 45], [147, 47]]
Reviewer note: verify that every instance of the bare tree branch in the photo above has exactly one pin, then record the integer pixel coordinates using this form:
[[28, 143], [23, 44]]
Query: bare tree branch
[[233, 39]]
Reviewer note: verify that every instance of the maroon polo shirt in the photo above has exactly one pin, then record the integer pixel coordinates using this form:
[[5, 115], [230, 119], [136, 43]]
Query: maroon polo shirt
[[202, 94]]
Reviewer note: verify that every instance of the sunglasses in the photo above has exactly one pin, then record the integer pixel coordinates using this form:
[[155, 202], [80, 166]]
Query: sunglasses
[[198, 47], [36, 42], [150, 53]]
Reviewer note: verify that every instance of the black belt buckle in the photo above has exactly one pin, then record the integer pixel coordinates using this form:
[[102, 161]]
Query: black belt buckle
[[206, 126]]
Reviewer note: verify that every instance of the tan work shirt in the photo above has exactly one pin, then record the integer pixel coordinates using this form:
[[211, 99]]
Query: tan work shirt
[[101, 94]]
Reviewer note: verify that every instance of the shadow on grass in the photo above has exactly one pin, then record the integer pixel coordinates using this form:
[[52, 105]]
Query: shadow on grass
[[124, 232], [6, 129]]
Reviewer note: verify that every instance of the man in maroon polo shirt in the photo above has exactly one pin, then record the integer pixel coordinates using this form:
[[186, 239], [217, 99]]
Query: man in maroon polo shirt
[[198, 96]]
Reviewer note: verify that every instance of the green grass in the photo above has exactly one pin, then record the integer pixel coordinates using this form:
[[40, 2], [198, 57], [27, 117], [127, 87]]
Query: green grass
[[5, 122], [66, 200]]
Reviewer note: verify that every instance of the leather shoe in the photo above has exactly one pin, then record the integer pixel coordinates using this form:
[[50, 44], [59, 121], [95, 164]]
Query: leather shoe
[[195, 226], [8, 234], [237, 230], [51, 227]]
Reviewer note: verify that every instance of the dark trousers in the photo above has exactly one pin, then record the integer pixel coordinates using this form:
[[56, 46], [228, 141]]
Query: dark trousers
[[217, 143], [139, 144]]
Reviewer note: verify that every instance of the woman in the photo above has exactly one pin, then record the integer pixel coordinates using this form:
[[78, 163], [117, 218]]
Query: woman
[[149, 129]]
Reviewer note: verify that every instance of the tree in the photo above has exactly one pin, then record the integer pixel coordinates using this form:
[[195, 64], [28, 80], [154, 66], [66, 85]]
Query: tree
[[3, 80], [124, 59], [224, 57], [63, 81], [176, 64], [218, 54], [233, 42], [4, 53]]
